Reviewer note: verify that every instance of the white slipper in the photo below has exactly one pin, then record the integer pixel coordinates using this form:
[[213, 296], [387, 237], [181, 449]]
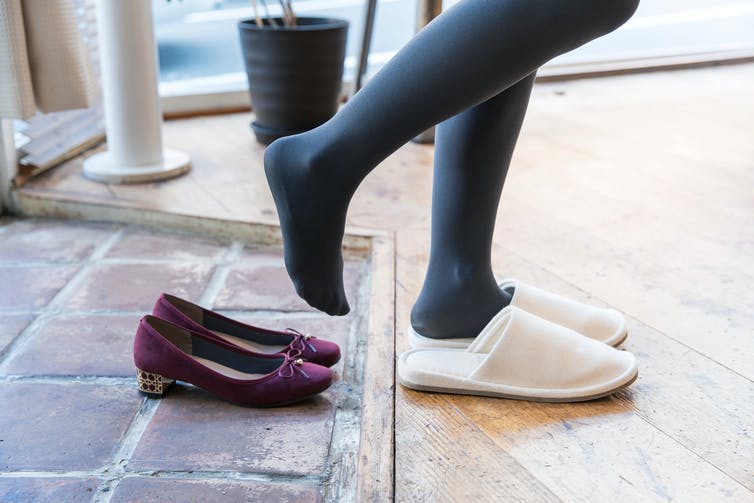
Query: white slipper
[[522, 356], [601, 324]]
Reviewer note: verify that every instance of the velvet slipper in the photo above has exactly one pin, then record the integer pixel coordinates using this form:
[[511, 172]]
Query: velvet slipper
[[165, 352], [248, 337], [521, 356], [601, 324]]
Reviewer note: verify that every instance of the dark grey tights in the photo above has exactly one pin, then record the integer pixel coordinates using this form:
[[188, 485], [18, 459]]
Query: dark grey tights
[[470, 70]]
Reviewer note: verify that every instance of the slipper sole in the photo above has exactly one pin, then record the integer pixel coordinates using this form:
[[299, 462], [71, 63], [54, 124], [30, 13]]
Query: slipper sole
[[493, 394]]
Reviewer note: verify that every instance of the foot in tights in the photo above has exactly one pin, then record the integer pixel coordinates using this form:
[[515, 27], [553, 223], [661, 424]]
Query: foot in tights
[[460, 59]]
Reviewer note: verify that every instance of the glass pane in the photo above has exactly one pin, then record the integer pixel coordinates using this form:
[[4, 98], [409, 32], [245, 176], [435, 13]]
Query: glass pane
[[198, 38], [199, 48]]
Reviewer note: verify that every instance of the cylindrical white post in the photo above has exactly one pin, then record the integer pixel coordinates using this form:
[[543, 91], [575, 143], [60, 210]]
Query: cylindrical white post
[[133, 117]]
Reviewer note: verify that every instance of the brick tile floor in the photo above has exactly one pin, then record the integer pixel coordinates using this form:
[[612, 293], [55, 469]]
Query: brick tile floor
[[139, 244], [62, 426], [51, 241], [26, 489], [262, 282], [137, 285], [64, 345], [32, 287], [194, 431], [141, 489], [73, 426]]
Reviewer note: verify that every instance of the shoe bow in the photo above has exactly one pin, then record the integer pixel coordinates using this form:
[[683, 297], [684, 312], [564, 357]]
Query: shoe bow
[[291, 367], [300, 343]]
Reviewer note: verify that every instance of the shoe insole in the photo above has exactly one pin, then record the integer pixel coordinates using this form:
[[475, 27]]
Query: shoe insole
[[226, 371], [249, 345], [448, 362]]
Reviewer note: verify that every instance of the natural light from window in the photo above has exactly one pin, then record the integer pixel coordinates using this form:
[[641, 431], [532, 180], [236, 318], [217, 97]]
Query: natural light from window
[[199, 49]]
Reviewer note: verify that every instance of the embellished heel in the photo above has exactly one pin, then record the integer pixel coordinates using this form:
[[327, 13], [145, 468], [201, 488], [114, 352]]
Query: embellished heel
[[152, 385]]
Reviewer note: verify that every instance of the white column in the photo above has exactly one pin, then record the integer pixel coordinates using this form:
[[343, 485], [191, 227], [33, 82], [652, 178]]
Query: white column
[[133, 118], [7, 163]]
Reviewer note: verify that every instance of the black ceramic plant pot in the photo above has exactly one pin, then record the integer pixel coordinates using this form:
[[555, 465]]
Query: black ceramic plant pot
[[295, 73]]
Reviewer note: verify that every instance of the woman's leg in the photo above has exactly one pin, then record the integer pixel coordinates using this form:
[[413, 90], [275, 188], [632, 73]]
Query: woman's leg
[[467, 55], [472, 152]]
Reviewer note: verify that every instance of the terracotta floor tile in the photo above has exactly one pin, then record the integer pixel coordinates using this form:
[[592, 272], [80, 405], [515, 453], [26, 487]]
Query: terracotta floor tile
[[136, 286], [162, 490], [252, 285], [80, 345], [32, 287], [62, 427], [193, 430], [11, 326], [46, 490], [142, 244], [259, 287], [52, 240]]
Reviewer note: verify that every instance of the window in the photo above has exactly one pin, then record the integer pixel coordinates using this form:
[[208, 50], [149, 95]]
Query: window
[[200, 55]]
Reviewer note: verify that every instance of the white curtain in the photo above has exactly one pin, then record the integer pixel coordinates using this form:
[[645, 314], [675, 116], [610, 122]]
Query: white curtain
[[49, 77], [44, 63]]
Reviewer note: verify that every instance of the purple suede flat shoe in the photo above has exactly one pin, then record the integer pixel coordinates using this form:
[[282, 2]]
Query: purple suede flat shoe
[[165, 352], [248, 337]]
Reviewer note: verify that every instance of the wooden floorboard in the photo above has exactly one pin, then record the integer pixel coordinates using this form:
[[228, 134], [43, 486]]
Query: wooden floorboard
[[635, 192], [697, 404]]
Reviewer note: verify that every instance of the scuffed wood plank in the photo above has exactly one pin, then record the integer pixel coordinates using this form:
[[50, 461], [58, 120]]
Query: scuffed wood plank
[[707, 409], [599, 452], [441, 455], [375, 478]]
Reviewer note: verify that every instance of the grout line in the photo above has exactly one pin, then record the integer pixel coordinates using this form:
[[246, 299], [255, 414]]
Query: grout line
[[37, 263], [19, 312], [117, 468], [105, 247], [147, 261], [76, 312], [225, 476], [68, 290], [111, 261], [393, 439], [68, 380], [190, 475], [220, 274], [20, 341], [342, 455], [50, 474]]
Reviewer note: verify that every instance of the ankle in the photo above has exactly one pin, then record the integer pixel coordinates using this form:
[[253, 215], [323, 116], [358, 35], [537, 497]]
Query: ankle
[[454, 308]]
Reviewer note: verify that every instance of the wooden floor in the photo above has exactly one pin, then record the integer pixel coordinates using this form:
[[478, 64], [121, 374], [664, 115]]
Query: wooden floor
[[635, 192]]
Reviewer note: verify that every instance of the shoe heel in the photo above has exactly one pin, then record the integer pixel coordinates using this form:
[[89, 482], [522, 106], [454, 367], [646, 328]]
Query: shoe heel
[[151, 384]]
